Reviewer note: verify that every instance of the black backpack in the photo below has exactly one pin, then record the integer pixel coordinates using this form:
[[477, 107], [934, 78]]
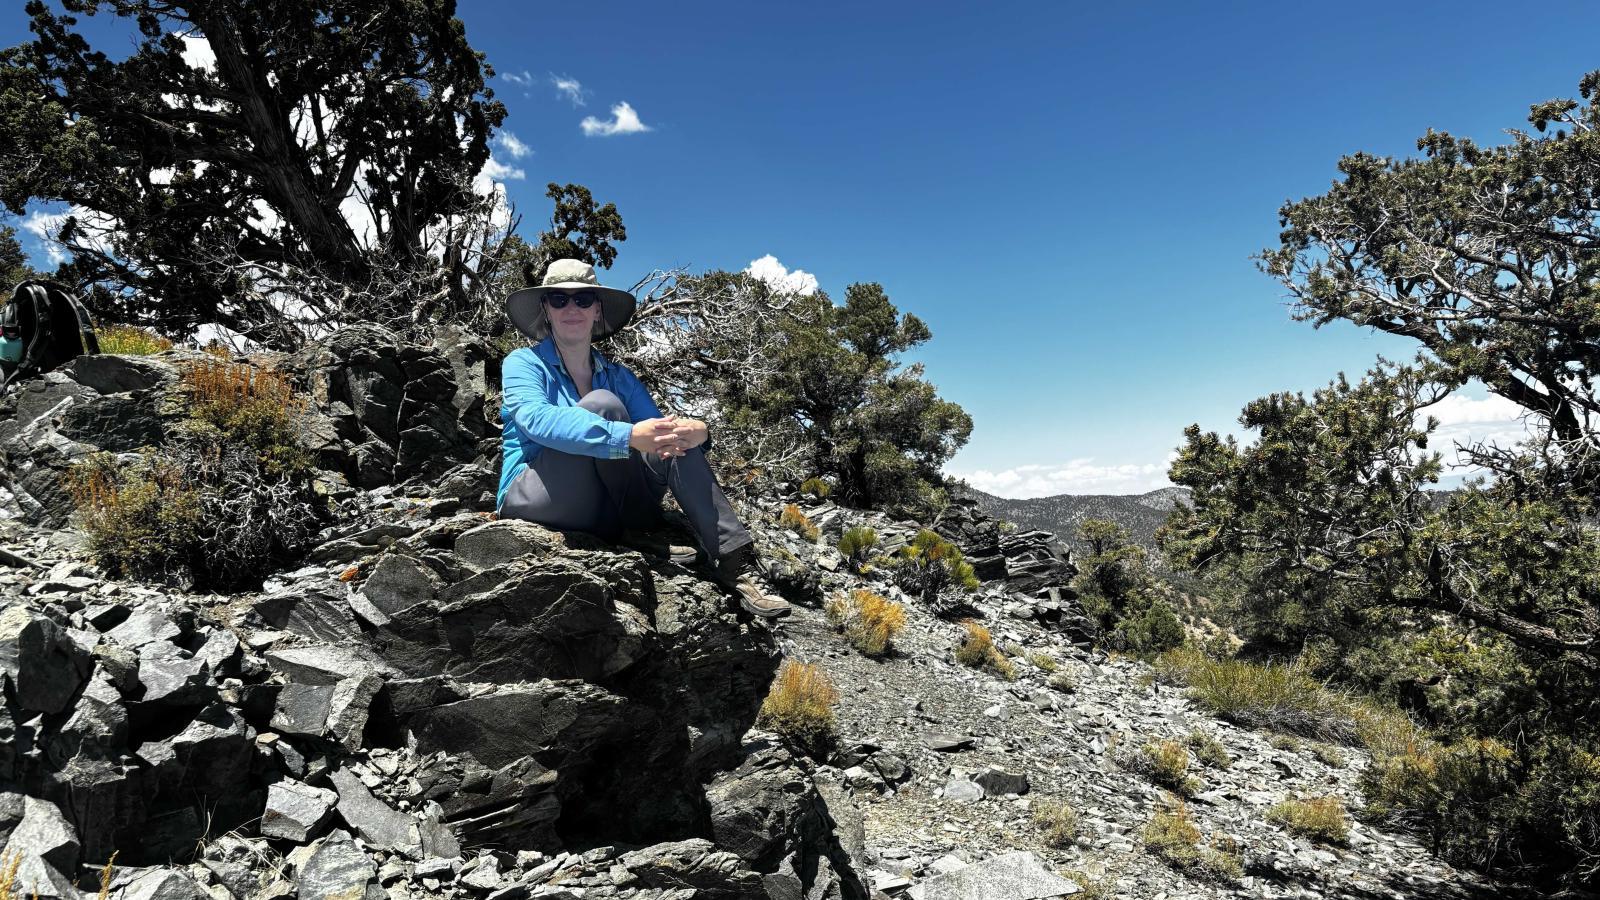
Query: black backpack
[[53, 325]]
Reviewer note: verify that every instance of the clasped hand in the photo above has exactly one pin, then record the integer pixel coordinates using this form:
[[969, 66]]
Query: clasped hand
[[668, 436]]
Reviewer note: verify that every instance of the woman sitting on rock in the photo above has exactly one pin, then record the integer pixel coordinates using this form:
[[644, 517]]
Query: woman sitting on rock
[[586, 449]]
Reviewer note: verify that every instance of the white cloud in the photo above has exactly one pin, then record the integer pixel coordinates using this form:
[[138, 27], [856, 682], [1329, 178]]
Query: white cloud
[[44, 226], [571, 89], [1077, 476], [522, 79], [767, 269], [510, 143], [623, 121], [495, 170], [197, 54], [1465, 422]]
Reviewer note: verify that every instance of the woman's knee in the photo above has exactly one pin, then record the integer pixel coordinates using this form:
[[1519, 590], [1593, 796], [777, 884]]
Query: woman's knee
[[605, 404]]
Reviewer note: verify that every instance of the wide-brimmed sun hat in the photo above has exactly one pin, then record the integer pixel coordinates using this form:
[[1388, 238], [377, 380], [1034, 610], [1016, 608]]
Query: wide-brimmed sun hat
[[526, 306]]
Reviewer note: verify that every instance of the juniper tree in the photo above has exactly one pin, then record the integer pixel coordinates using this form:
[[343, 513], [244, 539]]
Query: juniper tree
[[185, 181], [1488, 257]]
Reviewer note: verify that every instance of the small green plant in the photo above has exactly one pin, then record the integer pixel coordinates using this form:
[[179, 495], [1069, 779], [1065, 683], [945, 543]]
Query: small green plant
[[929, 565], [1092, 888], [143, 520], [130, 340], [816, 487], [1173, 836], [1044, 662], [799, 706], [869, 621], [1064, 681], [1207, 749], [1318, 819], [1164, 763], [1286, 742], [1057, 821], [1331, 756], [977, 650], [795, 520], [1014, 650], [857, 544]]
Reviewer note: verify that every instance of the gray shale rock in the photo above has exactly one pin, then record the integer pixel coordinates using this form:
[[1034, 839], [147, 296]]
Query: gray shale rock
[[164, 884], [1014, 876], [378, 824], [42, 662], [336, 869], [294, 810]]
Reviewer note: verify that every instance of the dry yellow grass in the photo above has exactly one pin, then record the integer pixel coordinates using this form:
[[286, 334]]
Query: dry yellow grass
[[1317, 818], [978, 651], [1173, 836], [868, 620], [1057, 821], [130, 340], [795, 520], [799, 706]]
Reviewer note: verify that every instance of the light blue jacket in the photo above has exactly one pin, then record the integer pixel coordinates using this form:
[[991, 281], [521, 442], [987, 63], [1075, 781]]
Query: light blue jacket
[[539, 409]]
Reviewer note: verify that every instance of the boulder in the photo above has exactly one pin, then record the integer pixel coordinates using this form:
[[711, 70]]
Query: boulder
[[377, 824], [43, 832], [998, 782], [294, 810], [41, 661], [145, 626], [493, 545], [172, 676], [164, 884], [348, 708], [335, 870], [398, 583], [568, 617], [316, 613], [693, 865], [328, 663]]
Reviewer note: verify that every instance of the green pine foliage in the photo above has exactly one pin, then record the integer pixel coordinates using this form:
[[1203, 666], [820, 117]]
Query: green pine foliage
[[874, 428], [1477, 610]]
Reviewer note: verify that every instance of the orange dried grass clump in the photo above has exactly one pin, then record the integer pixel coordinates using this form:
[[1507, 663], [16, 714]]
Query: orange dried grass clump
[[868, 620], [977, 650], [255, 406], [799, 706]]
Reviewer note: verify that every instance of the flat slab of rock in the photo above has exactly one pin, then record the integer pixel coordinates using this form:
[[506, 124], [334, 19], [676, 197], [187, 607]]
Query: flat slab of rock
[[294, 810], [960, 790], [164, 884], [328, 663], [947, 743], [377, 823], [336, 870], [1013, 876]]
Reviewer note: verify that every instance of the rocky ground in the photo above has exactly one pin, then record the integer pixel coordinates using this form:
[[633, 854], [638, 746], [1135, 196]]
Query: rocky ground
[[435, 704]]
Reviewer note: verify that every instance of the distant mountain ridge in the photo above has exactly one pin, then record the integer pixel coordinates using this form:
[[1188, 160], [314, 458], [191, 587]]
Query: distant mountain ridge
[[1141, 514]]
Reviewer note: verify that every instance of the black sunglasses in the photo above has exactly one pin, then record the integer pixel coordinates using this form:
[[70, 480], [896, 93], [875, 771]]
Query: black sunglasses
[[583, 299]]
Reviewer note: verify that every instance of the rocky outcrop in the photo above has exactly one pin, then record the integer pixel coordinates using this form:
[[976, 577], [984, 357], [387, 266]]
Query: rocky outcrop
[[382, 411], [387, 411]]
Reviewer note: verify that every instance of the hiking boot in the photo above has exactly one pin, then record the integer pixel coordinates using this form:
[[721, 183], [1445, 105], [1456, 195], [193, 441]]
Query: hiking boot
[[737, 572]]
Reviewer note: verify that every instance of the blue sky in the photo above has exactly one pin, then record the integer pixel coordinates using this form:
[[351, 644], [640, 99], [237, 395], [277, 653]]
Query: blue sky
[[1068, 194]]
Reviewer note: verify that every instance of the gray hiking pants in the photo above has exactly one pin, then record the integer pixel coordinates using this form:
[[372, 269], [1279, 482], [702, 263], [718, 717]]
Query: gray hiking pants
[[569, 492]]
